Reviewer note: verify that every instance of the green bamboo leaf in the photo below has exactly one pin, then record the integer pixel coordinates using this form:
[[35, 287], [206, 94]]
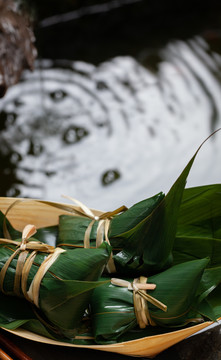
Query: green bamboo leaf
[[188, 248], [207, 311], [72, 230], [134, 215], [209, 282], [113, 310], [14, 312], [200, 212], [214, 301], [36, 326], [64, 302], [199, 223]]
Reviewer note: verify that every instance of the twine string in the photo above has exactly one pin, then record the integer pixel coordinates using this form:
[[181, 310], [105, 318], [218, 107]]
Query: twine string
[[28, 231], [18, 273], [141, 299], [25, 273], [33, 292], [4, 270]]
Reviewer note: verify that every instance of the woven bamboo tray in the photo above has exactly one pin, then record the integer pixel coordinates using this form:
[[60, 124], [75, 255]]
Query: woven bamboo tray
[[39, 214]]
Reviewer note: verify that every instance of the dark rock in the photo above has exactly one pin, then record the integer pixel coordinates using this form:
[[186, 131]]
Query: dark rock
[[17, 51]]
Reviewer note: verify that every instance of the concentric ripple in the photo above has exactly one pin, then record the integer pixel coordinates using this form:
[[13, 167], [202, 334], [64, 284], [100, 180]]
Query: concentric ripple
[[114, 133]]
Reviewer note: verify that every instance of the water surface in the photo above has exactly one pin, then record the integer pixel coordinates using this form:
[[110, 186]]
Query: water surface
[[116, 131]]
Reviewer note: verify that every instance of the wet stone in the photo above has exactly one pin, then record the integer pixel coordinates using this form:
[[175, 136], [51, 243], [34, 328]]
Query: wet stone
[[110, 176]]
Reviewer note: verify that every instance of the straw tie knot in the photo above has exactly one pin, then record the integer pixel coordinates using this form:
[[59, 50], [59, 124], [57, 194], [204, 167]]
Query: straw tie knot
[[140, 298], [102, 227], [25, 261], [28, 231], [135, 288]]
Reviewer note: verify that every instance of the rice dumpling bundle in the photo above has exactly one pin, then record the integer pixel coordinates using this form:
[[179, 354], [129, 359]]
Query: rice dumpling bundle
[[57, 282], [126, 232], [142, 237], [173, 302]]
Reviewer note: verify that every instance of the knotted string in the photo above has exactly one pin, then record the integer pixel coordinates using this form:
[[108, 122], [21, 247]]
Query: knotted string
[[25, 262], [102, 228], [141, 299]]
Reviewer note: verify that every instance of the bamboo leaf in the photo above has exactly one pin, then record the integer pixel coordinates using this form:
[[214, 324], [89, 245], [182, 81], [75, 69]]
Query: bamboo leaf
[[113, 309], [214, 301], [64, 302], [207, 311], [209, 282], [188, 248], [200, 212], [14, 312], [134, 215]]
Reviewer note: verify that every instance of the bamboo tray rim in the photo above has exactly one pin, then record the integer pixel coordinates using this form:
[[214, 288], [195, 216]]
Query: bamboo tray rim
[[149, 346], [40, 338]]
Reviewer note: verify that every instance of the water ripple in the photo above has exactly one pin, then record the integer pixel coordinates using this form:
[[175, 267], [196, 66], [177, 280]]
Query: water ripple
[[113, 133]]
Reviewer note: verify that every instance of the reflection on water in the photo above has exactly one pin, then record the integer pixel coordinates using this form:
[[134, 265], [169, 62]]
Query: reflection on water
[[113, 133]]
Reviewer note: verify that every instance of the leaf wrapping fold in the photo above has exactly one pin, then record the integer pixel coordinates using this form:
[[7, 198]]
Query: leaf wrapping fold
[[113, 309], [66, 287]]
